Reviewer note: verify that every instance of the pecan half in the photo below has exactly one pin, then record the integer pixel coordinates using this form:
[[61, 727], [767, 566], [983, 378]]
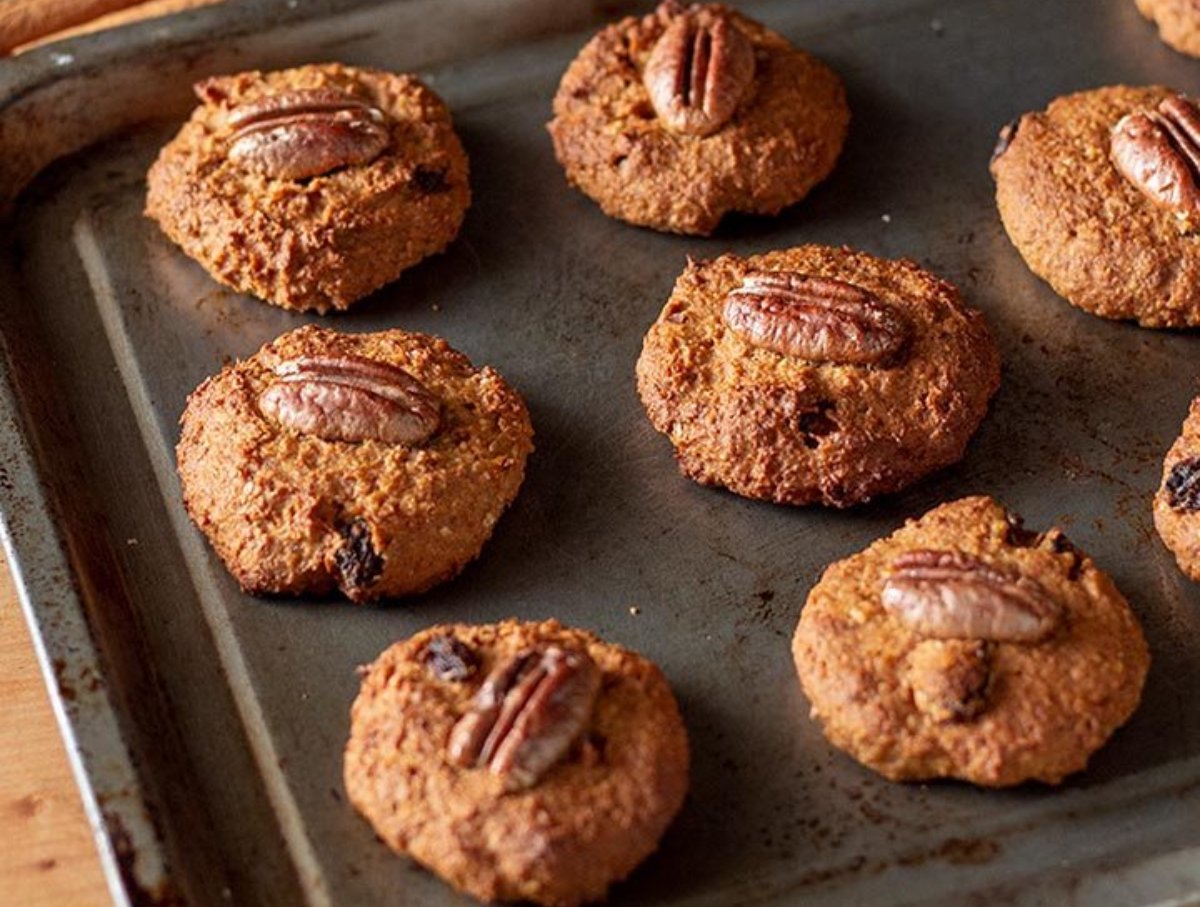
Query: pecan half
[[349, 398], [529, 711], [949, 678], [294, 135], [949, 595], [1183, 485], [1158, 151], [450, 659], [814, 318], [698, 73]]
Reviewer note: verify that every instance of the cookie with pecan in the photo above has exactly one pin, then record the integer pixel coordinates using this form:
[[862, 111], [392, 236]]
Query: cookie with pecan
[[815, 374], [1178, 23], [1100, 193], [371, 464], [311, 187], [964, 646], [675, 119], [1177, 503], [518, 761]]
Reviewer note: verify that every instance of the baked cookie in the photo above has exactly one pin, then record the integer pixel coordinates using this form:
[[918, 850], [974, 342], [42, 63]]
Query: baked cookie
[[1177, 503], [1178, 23], [311, 187], [518, 761], [1101, 196], [963, 646], [376, 464], [815, 374], [674, 119]]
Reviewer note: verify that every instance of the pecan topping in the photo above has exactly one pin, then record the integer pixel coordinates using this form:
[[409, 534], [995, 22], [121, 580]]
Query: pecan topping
[[350, 398], [450, 659], [949, 595], [294, 135], [949, 678], [814, 318], [529, 711], [1183, 485], [1159, 152], [698, 73]]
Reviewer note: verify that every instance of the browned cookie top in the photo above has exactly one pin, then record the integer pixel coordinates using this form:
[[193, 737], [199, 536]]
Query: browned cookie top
[[1084, 192], [1178, 23], [964, 646], [1177, 503], [311, 187], [815, 374], [673, 119], [519, 761], [376, 464]]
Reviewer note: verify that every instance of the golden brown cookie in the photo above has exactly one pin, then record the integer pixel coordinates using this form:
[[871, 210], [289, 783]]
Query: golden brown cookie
[[518, 761], [1177, 503], [815, 374], [1178, 23], [374, 464], [311, 187], [963, 646], [677, 118], [1098, 193]]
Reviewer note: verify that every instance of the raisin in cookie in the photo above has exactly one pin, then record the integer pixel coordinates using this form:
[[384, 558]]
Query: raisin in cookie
[[1101, 196], [1178, 23], [1177, 504], [311, 187], [674, 119], [376, 464], [815, 375], [518, 761], [963, 646]]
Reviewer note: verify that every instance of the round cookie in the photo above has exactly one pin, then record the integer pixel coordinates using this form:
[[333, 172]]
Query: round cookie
[[963, 646], [311, 187], [839, 422], [1098, 239], [769, 127], [1178, 23], [373, 464], [585, 775], [1177, 503]]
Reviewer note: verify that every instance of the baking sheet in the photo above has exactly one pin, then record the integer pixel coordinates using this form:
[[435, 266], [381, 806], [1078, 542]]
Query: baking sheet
[[209, 725]]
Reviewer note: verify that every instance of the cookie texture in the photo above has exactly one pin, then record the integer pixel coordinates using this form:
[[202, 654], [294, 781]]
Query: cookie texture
[[790, 429], [1177, 503], [963, 646], [783, 136], [292, 512], [1178, 23], [1083, 226], [586, 822], [393, 189]]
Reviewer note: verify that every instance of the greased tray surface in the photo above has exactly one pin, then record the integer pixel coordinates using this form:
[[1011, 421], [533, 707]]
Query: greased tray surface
[[208, 725]]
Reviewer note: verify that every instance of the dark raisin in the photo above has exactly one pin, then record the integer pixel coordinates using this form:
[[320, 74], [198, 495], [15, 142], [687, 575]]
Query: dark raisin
[[357, 561], [449, 659], [430, 180], [1183, 485]]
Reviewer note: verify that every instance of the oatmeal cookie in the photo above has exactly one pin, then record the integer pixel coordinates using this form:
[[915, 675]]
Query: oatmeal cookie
[[675, 119], [1177, 503], [815, 374], [1178, 23], [518, 761], [374, 464], [963, 646], [311, 187]]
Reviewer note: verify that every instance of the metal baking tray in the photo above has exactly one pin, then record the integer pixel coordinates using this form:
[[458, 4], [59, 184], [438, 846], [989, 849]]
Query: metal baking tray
[[206, 727]]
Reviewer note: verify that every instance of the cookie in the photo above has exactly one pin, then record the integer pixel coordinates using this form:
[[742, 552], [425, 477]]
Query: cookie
[[963, 646], [1178, 23], [815, 374], [1177, 503], [675, 119], [518, 761], [311, 187], [374, 464], [1101, 199]]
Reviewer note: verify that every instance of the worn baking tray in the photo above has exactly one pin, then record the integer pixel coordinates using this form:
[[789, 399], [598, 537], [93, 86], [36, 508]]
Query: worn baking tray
[[206, 726]]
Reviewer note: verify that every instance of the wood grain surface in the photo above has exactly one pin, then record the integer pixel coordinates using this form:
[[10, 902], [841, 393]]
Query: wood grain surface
[[25, 24]]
